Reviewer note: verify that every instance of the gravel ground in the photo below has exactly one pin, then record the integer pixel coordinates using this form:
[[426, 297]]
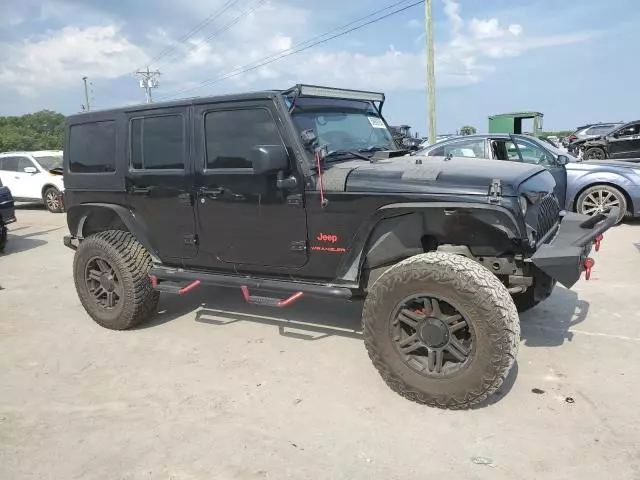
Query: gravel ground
[[215, 389]]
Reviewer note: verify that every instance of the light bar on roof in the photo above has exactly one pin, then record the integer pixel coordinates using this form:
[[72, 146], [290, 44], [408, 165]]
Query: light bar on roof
[[327, 92]]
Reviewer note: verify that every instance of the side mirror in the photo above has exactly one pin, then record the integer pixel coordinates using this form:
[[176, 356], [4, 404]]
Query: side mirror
[[269, 159], [562, 160], [30, 170]]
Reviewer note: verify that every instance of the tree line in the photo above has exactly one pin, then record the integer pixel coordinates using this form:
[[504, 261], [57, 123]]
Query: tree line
[[42, 130]]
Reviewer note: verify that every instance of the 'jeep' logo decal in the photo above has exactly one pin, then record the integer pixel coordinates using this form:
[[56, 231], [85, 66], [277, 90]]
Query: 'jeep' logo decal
[[327, 238]]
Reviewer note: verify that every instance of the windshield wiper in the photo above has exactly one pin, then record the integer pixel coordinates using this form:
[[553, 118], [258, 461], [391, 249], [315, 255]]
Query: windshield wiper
[[375, 148], [346, 153]]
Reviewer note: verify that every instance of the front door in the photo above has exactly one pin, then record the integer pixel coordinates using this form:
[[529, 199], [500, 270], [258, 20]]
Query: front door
[[245, 221], [625, 143], [160, 180]]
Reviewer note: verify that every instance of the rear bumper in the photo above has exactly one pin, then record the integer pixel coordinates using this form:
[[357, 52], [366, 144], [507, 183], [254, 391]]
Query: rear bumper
[[7, 212], [563, 258]]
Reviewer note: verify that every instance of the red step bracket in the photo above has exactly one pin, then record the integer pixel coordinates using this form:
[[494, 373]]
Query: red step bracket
[[588, 265], [268, 301]]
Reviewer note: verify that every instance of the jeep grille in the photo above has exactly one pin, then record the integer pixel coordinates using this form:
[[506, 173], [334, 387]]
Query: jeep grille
[[548, 215]]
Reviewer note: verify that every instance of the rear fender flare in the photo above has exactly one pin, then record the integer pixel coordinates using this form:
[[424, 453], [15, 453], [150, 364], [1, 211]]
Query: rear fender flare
[[395, 232], [78, 217]]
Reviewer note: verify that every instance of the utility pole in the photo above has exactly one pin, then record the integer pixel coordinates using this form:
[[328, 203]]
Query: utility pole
[[148, 81], [86, 94], [431, 77]]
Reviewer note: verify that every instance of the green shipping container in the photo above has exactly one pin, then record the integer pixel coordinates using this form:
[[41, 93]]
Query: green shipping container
[[512, 122]]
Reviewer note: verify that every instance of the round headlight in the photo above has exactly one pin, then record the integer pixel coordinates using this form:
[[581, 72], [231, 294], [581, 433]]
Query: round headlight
[[524, 204]]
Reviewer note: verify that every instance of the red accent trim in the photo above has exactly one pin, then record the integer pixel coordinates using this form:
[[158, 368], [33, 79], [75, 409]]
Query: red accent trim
[[599, 239], [245, 292], [290, 300], [189, 287], [588, 265], [154, 280], [321, 185]]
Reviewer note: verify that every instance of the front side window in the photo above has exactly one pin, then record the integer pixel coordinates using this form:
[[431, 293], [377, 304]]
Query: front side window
[[629, 131], [49, 162], [158, 143], [468, 148], [231, 136], [92, 147], [342, 124], [530, 153]]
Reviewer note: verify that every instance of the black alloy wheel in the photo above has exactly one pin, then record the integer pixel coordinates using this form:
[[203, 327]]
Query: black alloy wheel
[[431, 336], [103, 283]]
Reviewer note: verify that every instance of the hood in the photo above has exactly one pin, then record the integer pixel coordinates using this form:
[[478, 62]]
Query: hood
[[435, 175]]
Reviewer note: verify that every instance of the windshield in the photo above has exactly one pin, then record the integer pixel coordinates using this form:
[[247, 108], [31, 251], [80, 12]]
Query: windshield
[[49, 162], [342, 124]]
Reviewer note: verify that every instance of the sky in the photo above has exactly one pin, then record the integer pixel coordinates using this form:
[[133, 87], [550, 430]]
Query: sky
[[574, 61]]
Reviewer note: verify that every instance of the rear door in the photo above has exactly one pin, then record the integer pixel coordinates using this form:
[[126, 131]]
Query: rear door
[[160, 180], [625, 143]]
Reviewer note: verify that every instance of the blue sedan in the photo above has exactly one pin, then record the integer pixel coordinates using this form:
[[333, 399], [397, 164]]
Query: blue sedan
[[586, 187]]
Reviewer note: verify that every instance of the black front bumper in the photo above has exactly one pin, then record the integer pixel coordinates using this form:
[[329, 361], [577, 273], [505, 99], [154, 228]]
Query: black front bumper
[[564, 256]]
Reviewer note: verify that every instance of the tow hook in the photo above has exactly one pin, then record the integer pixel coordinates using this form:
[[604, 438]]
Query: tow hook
[[598, 239], [588, 265]]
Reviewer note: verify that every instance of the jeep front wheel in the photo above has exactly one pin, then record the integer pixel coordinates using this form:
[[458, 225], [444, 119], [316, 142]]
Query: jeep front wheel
[[441, 329], [110, 271]]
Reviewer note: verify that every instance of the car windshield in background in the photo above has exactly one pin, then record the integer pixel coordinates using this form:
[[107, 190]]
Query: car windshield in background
[[49, 162], [342, 124], [556, 151]]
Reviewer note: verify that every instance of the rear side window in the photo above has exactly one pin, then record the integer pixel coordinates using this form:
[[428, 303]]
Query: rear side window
[[232, 134], [158, 143], [9, 164], [92, 147]]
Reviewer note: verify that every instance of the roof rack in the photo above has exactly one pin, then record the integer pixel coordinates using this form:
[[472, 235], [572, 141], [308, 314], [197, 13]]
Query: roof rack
[[302, 90]]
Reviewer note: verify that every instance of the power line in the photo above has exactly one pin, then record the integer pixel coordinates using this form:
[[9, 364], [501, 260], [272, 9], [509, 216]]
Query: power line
[[199, 27], [228, 26], [301, 46]]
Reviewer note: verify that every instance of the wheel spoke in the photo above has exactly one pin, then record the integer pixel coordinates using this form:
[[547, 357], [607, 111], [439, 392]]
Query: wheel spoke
[[111, 299], [409, 318], [456, 349], [95, 275], [98, 292], [432, 307], [589, 210], [410, 344], [590, 201], [452, 319], [439, 360], [613, 203], [103, 266], [458, 326]]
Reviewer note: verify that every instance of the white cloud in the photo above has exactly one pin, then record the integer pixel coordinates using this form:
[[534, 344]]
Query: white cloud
[[61, 58]]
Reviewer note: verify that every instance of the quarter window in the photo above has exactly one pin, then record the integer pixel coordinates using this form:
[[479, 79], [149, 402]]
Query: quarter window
[[158, 143], [231, 136], [92, 147]]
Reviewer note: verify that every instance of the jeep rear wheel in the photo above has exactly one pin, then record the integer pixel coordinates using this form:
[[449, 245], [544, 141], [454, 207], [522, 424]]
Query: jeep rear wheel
[[110, 271], [441, 330]]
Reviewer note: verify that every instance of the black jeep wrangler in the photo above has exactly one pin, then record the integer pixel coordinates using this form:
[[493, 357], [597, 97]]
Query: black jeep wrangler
[[7, 214], [303, 192]]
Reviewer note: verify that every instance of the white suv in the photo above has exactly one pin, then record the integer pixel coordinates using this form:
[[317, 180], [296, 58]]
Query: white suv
[[34, 177]]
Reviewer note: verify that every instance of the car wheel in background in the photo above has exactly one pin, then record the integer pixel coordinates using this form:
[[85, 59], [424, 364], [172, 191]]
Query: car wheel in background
[[601, 198], [594, 153], [52, 198]]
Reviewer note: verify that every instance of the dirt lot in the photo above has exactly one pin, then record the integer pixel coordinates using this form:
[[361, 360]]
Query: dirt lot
[[214, 389]]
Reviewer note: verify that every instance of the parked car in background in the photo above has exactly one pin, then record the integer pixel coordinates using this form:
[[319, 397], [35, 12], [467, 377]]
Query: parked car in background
[[34, 177], [586, 187], [621, 142], [7, 214], [591, 130]]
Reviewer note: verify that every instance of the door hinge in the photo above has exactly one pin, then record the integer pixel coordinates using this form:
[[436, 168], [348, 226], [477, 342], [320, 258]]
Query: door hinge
[[495, 192], [298, 246], [295, 200], [190, 239], [186, 198]]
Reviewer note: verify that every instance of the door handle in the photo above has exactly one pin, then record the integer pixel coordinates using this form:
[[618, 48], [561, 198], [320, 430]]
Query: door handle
[[211, 192], [141, 191]]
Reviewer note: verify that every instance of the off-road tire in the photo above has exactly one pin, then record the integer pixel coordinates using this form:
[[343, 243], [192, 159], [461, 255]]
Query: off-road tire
[[622, 200], [53, 201], [594, 153], [488, 307], [132, 262], [4, 235]]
